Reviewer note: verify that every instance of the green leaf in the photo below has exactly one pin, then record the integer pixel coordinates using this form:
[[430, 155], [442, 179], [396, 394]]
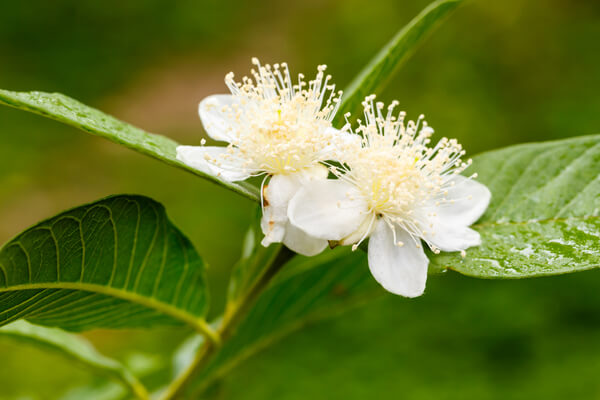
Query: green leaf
[[386, 63], [74, 348], [464, 339], [544, 217], [101, 391], [306, 290], [71, 112], [118, 262]]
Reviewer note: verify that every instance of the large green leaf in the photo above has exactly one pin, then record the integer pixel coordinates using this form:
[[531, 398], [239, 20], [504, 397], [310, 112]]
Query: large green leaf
[[69, 111], [74, 348], [544, 217], [118, 262], [386, 63]]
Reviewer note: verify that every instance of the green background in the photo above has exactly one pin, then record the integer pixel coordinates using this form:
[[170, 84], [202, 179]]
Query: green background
[[494, 74]]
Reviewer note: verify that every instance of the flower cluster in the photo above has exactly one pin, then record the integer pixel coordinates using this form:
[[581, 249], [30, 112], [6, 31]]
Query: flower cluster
[[388, 184]]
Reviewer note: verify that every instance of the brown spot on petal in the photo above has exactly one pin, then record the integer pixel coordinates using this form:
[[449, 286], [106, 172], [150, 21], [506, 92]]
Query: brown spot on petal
[[265, 200], [333, 244]]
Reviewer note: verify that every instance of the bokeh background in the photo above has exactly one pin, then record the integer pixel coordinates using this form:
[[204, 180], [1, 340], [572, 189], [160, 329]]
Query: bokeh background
[[494, 74]]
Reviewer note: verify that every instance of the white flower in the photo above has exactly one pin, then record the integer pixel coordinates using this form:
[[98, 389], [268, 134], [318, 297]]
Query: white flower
[[276, 128], [398, 191]]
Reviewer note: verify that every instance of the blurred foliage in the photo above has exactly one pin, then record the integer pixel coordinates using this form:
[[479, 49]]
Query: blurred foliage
[[494, 74], [464, 339]]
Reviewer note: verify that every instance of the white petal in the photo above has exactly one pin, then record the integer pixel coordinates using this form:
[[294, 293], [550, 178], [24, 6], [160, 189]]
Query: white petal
[[273, 231], [328, 209], [452, 237], [401, 270], [301, 243], [202, 158], [362, 232], [466, 201], [316, 172], [216, 121], [277, 194]]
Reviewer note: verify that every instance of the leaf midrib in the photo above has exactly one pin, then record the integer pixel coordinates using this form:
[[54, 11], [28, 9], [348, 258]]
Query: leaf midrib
[[199, 324]]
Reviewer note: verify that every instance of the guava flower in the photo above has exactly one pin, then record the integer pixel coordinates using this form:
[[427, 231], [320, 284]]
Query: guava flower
[[399, 192], [277, 129]]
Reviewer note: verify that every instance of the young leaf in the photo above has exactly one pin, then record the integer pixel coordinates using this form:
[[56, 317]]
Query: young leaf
[[71, 112], [544, 218], [307, 289], [118, 262], [75, 348], [385, 63], [255, 258]]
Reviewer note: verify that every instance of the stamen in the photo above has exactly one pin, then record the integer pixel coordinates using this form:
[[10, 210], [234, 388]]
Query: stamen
[[394, 168], [279, 127]]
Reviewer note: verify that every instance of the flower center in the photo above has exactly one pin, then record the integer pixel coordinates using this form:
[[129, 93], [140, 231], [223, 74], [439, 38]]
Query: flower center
[[391, 184], [281, 127], [394, 168]]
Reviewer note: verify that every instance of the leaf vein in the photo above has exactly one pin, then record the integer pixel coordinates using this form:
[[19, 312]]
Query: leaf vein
[[135, 240], [140, 271], [557, 176], [515, 183], [576, 197]]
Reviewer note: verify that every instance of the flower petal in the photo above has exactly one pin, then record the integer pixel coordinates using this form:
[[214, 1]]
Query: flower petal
[[316, 172], [450, 237], [328, 209], [273, 231], [281, 188], [400, 270], [206, 158], [445, 224], [277, 194], [466, 201], [302, 243], [215, 119]]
